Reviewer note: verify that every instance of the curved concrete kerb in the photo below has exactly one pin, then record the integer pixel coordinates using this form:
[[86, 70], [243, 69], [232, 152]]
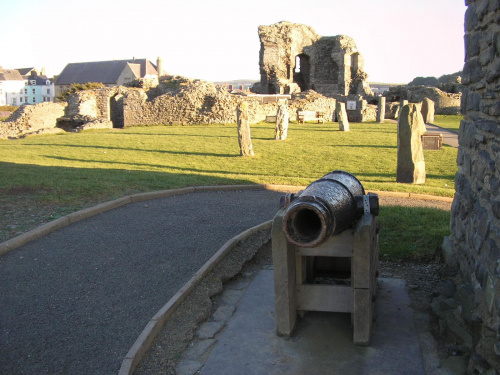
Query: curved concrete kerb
[[74, 217], [52, 226], [154, 326]]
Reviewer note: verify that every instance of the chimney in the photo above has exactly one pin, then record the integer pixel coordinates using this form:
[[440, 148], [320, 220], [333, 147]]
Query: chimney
[[43, 73], [159, 66]]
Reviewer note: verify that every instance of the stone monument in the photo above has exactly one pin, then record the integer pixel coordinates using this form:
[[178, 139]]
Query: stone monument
[[428, 111], [341, 115], [244, 138], [282, 117], [381, 109], [411, 164]]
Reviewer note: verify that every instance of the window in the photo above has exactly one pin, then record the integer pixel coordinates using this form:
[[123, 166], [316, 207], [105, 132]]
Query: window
[[34, 100], [47, 82], [25, 91], [34, 91], [48, 91], [20, 100], [14, 101], [26, 99], [32, 82]]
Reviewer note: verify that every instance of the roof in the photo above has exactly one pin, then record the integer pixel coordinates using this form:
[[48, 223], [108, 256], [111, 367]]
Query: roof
[[25, 71], [40, 80], [10, 75], [106, 72]]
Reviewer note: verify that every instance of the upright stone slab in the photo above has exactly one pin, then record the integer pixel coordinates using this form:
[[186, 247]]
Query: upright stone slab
[[282, 117], [402, 103], [341, 114], [381, 109], [411, 164], [244, 138], [428, 111]]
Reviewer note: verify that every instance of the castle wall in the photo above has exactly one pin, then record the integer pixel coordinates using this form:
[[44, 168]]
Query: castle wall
[[474, 244]]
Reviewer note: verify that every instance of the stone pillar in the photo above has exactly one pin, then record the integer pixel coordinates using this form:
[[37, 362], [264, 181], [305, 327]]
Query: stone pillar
[[411, 164], [428, 111], [341, 115], [244, 138], [402, 103], [282, 117], [381, 109]]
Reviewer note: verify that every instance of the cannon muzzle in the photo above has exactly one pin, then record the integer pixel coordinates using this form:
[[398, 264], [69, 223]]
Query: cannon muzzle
[[326, 207]]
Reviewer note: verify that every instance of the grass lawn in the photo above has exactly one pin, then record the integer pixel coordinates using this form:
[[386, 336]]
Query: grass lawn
[[75, 170], [451, 122]]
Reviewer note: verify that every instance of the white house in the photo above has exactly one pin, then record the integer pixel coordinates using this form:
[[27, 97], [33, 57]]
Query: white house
[[36, 89], [11, 82]]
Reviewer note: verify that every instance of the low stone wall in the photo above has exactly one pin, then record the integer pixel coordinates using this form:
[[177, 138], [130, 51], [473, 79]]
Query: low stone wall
[[31, 119]]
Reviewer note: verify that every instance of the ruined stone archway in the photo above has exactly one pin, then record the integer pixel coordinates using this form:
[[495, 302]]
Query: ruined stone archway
[[116, 111], [302, 72]]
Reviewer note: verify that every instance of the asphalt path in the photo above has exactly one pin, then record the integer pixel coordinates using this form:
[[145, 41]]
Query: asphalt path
[[74, 301]]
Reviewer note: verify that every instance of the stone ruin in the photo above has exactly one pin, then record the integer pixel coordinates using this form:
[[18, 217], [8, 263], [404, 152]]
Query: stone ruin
[[32, 119], [294, 58], [174, 100]]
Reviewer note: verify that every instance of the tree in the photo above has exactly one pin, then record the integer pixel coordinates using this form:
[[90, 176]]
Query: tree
[[75, 87]]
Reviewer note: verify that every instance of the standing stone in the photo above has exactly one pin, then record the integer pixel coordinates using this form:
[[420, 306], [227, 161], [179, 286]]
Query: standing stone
[[341, 115], [428, 111], [243, 121], [402, 103], [411, 164], [282, 117], [381, 109]]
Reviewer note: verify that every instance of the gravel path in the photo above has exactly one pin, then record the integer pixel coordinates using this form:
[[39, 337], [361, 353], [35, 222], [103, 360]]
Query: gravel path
[[75, 301]]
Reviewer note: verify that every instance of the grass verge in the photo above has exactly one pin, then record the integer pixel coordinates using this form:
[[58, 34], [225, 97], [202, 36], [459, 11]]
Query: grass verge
[[412, 233]]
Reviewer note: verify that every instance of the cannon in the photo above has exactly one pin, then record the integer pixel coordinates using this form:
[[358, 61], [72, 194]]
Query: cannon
[[326, 207], [325, 253]]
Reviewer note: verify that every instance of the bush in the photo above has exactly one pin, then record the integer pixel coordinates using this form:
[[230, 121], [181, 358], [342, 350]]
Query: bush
[[8, 108], [75, 87]]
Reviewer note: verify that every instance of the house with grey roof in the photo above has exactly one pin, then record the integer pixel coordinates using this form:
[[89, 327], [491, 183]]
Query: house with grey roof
[[110, 73], [11, 81]]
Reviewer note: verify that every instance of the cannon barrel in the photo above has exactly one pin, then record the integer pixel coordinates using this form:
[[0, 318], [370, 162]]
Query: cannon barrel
[[326, 207]]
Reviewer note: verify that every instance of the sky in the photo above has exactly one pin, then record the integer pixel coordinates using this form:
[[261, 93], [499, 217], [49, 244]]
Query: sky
[[217, 40]]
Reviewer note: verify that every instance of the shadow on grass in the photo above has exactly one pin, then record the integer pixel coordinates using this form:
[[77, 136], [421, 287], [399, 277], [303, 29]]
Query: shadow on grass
[[202, 172], [135, 149], [365, 146], [79, 186]]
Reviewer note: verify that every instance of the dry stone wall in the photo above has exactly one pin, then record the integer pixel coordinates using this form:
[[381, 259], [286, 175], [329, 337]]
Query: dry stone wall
[[30, 119], [474, 244]]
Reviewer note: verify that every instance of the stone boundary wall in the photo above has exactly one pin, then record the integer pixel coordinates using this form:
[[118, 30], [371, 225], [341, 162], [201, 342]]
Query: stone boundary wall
[[474, 244], [29, 119]]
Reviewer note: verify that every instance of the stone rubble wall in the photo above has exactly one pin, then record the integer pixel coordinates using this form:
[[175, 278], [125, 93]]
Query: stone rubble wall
[[474, 244], [29, 119], [444, 103]]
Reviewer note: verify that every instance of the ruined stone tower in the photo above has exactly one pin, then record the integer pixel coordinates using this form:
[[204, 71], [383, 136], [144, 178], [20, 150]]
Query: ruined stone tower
[[294, 58]]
